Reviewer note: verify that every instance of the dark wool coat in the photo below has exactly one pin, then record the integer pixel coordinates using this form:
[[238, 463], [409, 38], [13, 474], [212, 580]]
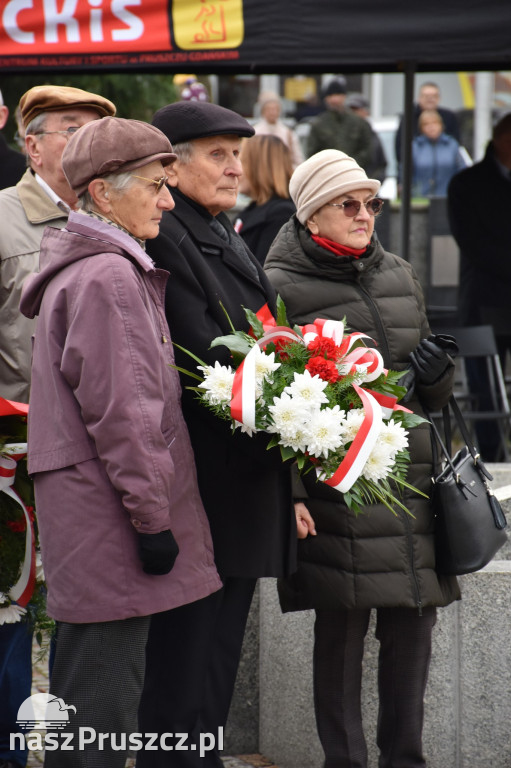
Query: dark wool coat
[[484, 240], [12, 165], [376, 559], [259, 225], [245, 488]]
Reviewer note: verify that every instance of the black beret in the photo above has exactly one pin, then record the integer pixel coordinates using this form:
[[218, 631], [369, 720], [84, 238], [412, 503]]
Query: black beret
[[188, 120]]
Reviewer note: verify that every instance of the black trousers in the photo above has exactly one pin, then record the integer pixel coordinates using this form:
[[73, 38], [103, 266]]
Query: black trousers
[[403, 665], [99, 670], [192, 658]]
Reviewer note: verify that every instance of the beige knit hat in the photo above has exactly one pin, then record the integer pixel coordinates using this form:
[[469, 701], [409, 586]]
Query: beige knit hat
[[323, 177]]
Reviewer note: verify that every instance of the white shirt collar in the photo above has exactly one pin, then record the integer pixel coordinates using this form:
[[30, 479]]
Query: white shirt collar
[[51, 194]]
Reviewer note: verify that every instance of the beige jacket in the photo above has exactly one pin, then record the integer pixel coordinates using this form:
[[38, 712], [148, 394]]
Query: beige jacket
[[25, 211]]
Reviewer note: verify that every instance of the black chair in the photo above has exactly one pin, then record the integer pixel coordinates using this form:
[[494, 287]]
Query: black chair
[[481, 389]]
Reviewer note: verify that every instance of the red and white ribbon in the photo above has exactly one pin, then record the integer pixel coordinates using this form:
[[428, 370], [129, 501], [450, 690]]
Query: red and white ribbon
[[327, 329], [350, 468], [366, 361], [243, 401], [22, 591]]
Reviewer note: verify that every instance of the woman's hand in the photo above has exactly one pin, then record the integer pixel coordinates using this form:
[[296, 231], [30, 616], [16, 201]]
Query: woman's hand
[[304, 522]]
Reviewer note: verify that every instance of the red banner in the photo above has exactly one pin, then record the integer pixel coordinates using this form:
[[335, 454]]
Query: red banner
[[83, 26]]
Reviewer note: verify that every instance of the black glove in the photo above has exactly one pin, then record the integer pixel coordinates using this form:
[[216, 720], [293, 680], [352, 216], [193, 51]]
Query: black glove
[[407, 381], [158, 552], [432, 357]]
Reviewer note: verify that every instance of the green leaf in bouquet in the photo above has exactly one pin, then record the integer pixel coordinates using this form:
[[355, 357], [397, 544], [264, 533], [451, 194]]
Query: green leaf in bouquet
[[408, 420], [300, 461], [255, 323], [287, 453], [281, 312], [238, 343], [274, 440], [187, 373], [190, 354]]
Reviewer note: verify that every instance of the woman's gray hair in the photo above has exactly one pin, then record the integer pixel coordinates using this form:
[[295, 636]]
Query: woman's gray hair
[[118, 182], [184, 151]]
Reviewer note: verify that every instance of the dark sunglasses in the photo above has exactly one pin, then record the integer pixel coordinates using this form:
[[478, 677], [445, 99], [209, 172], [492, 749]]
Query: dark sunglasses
[[351, 208]]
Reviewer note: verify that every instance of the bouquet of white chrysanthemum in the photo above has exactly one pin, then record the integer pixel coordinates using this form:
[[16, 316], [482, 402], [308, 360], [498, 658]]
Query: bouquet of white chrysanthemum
[[325, 398]]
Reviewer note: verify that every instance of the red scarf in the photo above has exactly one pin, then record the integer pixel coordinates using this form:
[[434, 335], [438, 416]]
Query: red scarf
[[337, 248]]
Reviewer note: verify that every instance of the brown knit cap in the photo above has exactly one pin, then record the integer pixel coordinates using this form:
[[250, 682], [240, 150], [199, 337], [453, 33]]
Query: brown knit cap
[[48, 98]]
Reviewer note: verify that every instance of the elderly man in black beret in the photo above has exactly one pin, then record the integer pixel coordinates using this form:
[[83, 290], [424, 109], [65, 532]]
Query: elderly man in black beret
[[193, 652]]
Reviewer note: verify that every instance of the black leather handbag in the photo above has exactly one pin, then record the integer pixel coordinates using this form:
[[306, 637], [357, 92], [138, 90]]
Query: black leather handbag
[[469, 521]]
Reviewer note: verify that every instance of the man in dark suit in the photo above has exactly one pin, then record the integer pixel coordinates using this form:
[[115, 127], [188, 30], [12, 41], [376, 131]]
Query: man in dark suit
[[193, 653], [479, 202]]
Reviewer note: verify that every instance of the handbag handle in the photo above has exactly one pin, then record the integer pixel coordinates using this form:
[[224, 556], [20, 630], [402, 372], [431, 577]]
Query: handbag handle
[[447, 446]]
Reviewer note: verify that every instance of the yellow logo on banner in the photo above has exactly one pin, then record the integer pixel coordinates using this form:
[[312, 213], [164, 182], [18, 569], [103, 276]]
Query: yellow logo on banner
[[207, 23]]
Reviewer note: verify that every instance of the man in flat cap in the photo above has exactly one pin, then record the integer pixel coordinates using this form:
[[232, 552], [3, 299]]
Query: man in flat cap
[[193, 652], [51, 114], [339, 128]]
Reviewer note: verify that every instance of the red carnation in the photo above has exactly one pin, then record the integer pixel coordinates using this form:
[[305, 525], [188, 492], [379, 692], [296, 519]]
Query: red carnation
[[325, 369], [324, 347]]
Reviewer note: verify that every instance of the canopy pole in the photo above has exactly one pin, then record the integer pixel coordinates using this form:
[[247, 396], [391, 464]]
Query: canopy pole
[[406, 158]]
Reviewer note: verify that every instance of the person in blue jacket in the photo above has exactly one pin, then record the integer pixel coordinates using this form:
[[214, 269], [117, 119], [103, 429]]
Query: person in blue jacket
[[436, 157]]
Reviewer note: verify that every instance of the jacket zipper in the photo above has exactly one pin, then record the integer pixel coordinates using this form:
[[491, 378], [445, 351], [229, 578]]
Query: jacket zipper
[[409, 539], [377, 319], [388, 362]]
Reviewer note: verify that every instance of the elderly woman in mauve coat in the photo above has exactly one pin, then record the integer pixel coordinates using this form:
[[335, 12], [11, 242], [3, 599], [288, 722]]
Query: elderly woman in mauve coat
[[327, 262], [123, 530]]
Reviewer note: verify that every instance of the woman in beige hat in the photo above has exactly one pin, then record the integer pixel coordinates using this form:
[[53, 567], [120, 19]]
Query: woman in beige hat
[[327, 262]]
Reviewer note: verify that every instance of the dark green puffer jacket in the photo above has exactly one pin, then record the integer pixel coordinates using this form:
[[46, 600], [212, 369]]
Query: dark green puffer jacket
[[375, 559]]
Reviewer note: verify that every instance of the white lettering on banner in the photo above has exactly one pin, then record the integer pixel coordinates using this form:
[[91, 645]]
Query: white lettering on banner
[[10, 21], [54, 18], [134, 24], [67, 21], [96, 30]]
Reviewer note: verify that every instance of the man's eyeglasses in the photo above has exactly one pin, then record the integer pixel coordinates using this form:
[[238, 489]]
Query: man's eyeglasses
[[158, 183], [351, 208], [68, 132]]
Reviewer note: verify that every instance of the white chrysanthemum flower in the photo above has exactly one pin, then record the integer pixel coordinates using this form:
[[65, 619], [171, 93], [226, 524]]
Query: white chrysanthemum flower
[[298, 441], [352, 424], [289, 415], [308, 388], [379, 463], [243, 428], [326, 431], [394, 436], [11, 614], [265, 365], [218, 381]]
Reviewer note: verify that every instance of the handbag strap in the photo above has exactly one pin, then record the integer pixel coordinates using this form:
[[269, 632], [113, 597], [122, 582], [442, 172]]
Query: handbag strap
[[447, 445]]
